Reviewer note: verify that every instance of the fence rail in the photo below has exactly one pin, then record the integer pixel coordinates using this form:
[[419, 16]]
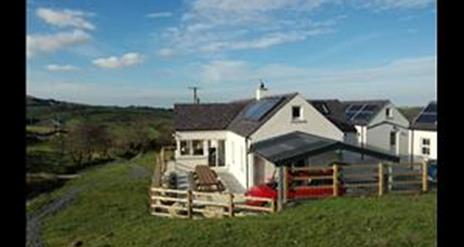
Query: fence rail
[[328, 181], [187, 204], [379, 179]]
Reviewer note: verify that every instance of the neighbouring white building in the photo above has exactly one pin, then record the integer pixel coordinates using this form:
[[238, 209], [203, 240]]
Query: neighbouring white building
[[248, 138], [380, 125], [423, 135]]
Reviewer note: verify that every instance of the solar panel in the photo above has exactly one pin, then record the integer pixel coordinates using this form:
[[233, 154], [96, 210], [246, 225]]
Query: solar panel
[[427, 118], [354, 108], [369, 108], [260, 108], [431, 108], [350, 115], [362, 116]]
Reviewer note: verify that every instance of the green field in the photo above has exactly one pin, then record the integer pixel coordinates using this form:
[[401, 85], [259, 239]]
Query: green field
[[112, 210], [123, 132]]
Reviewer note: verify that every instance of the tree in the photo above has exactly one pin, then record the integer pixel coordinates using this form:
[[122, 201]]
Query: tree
[[86, 139]]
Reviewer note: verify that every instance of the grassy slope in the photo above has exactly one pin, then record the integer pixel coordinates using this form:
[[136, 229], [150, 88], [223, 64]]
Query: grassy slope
[[112, 211]]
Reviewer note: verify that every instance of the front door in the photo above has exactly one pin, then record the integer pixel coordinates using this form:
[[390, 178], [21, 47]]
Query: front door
[[212, 156], [216, 153]]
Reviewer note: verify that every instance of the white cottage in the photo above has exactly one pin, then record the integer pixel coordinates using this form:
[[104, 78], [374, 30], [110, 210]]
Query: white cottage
[[380, 125], [233, 137], [423, 135]]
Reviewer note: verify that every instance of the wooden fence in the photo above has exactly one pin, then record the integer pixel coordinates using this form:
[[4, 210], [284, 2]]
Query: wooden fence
[[165, 154], [362, 179], [353, 180], [190, 204]]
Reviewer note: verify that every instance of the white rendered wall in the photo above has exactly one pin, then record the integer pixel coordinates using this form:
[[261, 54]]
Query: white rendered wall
[[236, 157], [313, 123], [193, 160], [379, 137], [351, 138], [416, 137]]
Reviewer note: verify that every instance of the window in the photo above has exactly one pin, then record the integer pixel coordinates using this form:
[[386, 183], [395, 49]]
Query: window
[[426, 141], [389, 113], [392, 138], [296, 113], [197, 147], [184, 147], [425, 146]]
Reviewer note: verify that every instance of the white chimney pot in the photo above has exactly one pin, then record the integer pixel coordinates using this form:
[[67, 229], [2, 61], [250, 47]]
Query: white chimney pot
[[261, 91]]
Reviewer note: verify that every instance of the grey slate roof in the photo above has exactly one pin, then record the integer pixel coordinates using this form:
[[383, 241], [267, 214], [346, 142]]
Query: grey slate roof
[[378, 105], [223, 116], [205, 116], [335, 113], [245, 127], [424, 126], [287, 148]]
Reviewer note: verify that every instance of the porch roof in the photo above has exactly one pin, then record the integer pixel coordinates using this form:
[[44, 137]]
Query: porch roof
[[297, 145]]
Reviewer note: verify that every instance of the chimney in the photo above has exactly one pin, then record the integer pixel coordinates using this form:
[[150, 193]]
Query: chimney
[[261, 91]]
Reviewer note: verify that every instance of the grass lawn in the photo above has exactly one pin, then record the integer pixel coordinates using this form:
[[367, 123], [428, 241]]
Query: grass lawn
[[112, 210]]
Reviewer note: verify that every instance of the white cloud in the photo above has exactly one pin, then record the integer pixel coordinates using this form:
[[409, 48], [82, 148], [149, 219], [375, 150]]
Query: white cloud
[[65, 18], [159, 15], [52, 42], [114, 62], [57, 67], [419, 72], [166, 52], [215, 26]]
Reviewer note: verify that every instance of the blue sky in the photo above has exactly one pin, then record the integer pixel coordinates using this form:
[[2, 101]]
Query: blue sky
[[149, 52]]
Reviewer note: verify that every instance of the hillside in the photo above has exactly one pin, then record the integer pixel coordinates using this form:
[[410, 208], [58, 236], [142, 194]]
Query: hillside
[[410, 112], [39, 110], [108, 206], [65, 138]]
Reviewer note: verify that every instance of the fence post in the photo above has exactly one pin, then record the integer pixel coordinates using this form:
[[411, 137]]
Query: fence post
[[380, 179], [335, 180], [189, 204], [273, 205], [231, 205], [390, 177], [280, 188], [425, 185], [285, 185]]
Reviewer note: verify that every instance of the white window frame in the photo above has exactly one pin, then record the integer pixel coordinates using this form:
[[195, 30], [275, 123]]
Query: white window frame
[[426, 146], [389, 112], [191, 147], [299, 118]]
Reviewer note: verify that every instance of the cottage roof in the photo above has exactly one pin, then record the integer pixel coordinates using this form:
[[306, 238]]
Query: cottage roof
[[361, 112], [427, 118], [242, 117], [333, 110]]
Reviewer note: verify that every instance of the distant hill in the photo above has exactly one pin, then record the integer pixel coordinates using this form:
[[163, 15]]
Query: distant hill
[[44, 110], [410, 112]]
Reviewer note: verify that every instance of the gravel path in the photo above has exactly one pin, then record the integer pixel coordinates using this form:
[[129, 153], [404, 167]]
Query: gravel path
[[34, 221]]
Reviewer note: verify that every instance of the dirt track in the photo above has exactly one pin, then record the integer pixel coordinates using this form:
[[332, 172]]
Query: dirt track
[[33, 227]]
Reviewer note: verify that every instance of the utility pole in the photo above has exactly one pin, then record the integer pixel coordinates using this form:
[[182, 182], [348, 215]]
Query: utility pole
[[196, 100]]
